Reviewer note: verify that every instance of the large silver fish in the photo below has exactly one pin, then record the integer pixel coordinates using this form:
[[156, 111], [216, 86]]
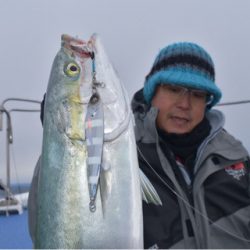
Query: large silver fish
[[89, 192]]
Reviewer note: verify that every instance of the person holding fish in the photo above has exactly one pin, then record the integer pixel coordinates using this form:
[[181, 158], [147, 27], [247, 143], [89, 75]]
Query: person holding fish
[[200, 172]]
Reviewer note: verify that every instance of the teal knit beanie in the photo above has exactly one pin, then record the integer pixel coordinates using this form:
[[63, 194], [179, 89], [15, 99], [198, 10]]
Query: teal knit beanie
[[185, 64]]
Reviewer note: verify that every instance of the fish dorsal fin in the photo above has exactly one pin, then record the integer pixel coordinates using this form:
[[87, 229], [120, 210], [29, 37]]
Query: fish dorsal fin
[[149, 194]]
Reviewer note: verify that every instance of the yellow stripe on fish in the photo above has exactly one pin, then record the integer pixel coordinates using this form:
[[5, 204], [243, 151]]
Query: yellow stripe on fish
[[76, 129]]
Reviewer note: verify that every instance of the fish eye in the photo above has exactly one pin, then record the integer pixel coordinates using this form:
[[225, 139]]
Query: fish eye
[[72, 69]]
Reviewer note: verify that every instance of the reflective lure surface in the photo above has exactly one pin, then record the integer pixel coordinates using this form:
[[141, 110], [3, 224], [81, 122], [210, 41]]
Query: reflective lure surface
[[94, 129], [89, 189]]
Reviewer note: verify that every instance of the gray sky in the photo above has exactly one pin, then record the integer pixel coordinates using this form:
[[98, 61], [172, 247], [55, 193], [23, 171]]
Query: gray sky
[[133, 31]]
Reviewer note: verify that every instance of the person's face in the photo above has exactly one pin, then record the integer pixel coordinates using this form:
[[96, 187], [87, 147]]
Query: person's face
[[179, 110]]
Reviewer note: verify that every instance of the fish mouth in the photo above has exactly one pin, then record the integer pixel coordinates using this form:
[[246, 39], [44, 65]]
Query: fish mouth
[[77, 46]]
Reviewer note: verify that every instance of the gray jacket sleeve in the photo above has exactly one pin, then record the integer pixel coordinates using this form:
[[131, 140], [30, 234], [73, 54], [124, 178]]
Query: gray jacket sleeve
[[32, 200]]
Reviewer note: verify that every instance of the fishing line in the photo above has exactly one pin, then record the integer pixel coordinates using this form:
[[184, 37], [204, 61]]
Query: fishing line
[[189, 205]]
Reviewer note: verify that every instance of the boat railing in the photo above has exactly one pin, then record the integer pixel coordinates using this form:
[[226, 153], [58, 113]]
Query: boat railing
[[10, 203]]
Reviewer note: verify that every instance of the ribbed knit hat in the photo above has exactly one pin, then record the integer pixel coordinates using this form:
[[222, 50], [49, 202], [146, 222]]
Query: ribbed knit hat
[[185, 64]]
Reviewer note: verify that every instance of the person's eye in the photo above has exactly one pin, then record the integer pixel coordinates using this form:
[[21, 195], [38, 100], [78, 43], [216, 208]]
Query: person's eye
[[174, 89], [199, 94]]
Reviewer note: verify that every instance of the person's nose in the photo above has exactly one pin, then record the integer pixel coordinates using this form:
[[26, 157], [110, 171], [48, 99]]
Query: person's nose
[[184, 100]]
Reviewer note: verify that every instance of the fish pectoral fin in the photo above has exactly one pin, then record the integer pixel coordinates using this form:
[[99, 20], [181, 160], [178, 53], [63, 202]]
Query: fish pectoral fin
[[149, 194], [105, 183]]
